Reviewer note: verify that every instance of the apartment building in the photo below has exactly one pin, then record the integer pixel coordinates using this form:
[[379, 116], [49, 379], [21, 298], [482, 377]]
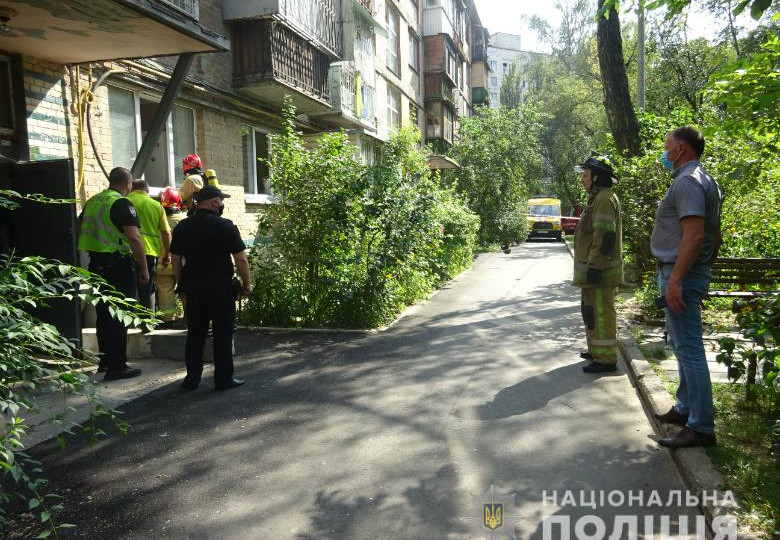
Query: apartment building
[[504, 50], [88, 85], [447, 44]]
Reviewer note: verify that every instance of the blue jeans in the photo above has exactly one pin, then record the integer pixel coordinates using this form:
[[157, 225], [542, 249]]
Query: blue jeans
[[694, 393]]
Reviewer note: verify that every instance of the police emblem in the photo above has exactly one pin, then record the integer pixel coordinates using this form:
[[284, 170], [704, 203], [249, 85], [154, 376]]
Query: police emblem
[[492, 515]]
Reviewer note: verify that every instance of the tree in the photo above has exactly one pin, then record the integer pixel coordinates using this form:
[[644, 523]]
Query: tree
[[510, 87], [675, 7], [500, 165], [617, 98]]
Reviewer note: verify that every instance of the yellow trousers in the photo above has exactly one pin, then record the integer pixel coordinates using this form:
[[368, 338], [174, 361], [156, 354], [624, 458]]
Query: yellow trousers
[[598, 314], [166, 292]]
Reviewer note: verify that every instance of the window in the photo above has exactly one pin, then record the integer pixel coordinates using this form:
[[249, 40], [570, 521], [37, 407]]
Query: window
[[448, 124], [505, 67], [255, 152], [393, 107], [494, 97], [6, 100], [452, 66], [493, 81], [124, 135], [432, 3], [130, 117], [493, 65], [393, 56], [414, 52], [433, 120]]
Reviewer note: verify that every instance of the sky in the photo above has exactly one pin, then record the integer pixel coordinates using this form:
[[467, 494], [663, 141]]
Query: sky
[[507, 16]]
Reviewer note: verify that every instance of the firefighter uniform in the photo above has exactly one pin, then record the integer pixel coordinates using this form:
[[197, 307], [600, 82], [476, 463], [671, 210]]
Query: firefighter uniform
[[166, 279], [110, 257], [598, 269]]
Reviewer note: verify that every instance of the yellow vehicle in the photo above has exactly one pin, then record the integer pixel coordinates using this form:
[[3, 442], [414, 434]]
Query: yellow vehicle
[[544, 218]]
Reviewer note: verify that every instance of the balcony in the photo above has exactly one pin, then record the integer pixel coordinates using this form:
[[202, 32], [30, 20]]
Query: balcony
[[270, 61], [190, 7], [437, 89], [317, 21], [352, 100], [78, 31], [480, 96]]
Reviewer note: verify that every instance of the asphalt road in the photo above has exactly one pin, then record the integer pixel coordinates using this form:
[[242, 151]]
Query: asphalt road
[[395, 435]]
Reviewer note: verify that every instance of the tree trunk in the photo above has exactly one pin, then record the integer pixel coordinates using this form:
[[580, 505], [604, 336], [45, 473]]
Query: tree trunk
[[617, 100]]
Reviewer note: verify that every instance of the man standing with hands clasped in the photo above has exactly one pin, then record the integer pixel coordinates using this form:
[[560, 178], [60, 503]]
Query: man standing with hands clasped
[[202, 247], [685, 239]]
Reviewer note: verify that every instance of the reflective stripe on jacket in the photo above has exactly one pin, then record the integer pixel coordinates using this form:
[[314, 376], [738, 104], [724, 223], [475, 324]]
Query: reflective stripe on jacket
[[98, 233]]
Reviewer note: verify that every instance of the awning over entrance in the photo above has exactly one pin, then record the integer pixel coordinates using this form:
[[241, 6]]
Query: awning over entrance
[[77, 31], [439, 161]]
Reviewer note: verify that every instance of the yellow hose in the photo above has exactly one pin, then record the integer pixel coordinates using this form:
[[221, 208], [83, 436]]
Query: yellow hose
[[85, 97]]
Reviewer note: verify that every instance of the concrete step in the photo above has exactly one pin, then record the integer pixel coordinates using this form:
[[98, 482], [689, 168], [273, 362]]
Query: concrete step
[[160, 344]]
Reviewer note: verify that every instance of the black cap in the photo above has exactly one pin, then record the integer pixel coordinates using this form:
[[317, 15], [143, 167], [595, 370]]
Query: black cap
[[209, 192]]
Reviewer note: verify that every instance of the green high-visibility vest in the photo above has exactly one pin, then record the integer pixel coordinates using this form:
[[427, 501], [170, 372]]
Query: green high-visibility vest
[[149, 214], [98, 233]]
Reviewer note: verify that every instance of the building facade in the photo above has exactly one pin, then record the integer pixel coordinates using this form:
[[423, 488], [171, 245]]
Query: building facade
[[355, 65], [503, 51]]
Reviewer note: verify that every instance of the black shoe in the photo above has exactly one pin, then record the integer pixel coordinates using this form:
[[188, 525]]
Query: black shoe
[[596, 367], [672, 417], [126, 373], [102, 368], [189, 385], [586, 355], [687, 438], [234, 383]]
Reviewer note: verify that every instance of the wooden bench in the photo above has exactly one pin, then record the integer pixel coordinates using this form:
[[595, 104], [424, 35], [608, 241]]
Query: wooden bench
[[742, 273]]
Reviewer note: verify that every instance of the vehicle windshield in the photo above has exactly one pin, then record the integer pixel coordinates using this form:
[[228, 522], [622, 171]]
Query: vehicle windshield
[[547, 210]]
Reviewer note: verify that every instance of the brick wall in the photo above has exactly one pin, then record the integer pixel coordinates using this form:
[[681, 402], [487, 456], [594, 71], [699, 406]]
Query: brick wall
[[46, 103]]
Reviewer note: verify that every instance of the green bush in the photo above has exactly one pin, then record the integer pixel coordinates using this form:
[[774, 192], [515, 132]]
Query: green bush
[[35, 357], [353, 244]]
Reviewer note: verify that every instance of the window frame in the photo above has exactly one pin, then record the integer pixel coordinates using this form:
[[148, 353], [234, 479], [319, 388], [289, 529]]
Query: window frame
[[391, 89], [255, 197], [415, 46], [169, 146], [392, 13]]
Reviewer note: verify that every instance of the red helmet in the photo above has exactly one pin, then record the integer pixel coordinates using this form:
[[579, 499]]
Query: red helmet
[[190, 162], [170, 198]]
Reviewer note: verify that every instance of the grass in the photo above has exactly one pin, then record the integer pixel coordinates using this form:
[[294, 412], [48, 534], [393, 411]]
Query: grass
[[744, 431], [654, 352]]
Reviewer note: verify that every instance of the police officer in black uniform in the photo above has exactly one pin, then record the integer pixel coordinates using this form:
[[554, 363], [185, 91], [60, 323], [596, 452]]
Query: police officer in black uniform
[[202, 248]]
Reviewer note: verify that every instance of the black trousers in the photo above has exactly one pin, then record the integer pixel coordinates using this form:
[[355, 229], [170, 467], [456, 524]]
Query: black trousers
[[119, 272], [146, 292], [215, 303]]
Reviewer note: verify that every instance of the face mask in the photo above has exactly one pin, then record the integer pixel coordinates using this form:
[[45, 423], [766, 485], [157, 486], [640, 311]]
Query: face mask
[[220, 209], [668, 165]]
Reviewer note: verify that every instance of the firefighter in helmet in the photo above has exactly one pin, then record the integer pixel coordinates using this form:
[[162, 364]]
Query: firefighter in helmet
[[194, 179], [165, 280], [598, 263]]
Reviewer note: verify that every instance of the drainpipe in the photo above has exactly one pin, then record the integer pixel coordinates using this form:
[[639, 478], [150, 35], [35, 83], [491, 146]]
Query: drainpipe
[[161, 115]]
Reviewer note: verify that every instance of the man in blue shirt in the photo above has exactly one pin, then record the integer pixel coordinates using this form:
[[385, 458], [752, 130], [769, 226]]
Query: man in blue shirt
[[685, 239]]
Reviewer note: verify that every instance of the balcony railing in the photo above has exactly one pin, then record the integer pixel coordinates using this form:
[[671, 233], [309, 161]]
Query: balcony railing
[[190, 7], [351, 96], [268, 55], [480, 96], [316, 20]]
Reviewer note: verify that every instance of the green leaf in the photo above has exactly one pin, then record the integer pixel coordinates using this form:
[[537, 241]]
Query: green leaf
[[33, 504]]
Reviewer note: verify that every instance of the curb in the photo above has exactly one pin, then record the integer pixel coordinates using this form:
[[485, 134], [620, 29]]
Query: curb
[[693, 465]]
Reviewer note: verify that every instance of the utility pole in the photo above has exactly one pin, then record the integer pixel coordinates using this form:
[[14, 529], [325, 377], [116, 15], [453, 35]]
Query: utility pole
[[640, 82]]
